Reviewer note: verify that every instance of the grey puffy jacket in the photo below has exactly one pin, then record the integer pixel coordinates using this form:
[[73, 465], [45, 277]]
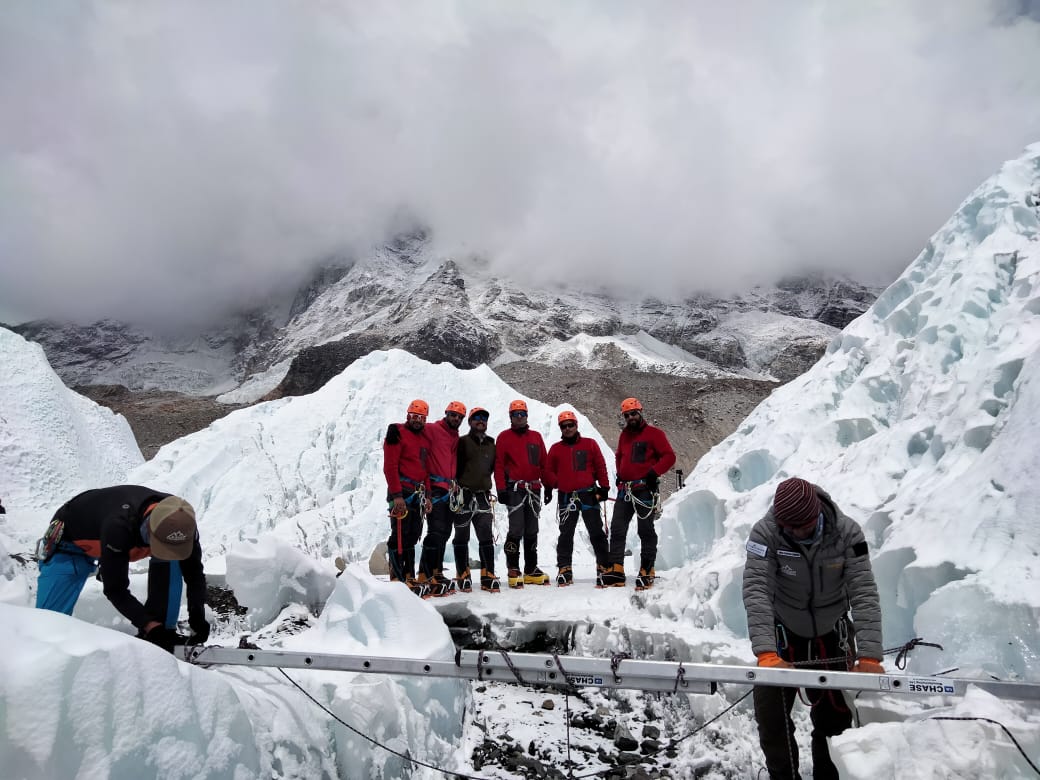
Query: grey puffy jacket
[[809, 587]]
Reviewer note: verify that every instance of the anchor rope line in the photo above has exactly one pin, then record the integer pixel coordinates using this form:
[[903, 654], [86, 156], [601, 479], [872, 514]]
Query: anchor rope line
[[377, 743]]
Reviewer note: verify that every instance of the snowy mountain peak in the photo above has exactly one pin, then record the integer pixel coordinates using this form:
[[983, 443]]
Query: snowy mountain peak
[[442, 307]]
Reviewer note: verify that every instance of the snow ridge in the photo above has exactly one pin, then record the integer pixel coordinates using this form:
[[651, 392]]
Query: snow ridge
[[54, 443]]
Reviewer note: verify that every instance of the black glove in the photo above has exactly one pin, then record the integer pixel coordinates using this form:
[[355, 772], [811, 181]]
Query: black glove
[[602, 493], [548, 495], [503, 497], [199, 633], [166, 638], [651, 480]]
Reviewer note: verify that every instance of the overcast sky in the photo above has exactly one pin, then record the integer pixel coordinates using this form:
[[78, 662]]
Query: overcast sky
[[172, 158]]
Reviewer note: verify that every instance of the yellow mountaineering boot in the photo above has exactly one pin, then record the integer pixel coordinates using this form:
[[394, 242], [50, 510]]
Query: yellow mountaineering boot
[[536, 577], [516, 578]]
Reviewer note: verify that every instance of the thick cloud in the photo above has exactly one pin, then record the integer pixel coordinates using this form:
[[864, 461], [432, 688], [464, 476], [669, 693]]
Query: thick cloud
[[172, 158]]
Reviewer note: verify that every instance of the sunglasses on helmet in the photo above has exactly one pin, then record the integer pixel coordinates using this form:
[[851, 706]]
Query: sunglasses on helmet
[[518, 413], [568, 424], [479, 417]]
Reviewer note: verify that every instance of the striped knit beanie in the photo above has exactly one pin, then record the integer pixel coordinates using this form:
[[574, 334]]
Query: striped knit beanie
[[795, 503]]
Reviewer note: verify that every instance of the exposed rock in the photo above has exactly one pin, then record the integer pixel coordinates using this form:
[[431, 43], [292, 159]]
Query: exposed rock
[[449, 338], [623, 739], [315, 366], [718, 348], [377, 562], [796, 358], [844, 303]]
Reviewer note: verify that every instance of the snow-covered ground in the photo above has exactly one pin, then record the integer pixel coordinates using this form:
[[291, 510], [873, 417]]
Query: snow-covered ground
[[920, 421]]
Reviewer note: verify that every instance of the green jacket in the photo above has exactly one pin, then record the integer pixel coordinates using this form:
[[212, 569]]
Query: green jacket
[[476, 462]]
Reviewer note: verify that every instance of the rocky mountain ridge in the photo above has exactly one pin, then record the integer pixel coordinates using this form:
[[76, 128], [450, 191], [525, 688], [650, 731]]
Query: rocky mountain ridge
[[408, 295]]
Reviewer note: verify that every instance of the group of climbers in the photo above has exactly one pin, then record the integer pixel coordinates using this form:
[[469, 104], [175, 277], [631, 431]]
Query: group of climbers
[[807, 566], [433, 473]]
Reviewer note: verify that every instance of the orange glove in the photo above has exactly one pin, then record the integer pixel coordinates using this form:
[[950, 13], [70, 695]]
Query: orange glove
[[868, 666], [772, 659]]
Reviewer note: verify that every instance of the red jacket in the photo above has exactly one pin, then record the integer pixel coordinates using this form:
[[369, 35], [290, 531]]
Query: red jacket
[[519, 457], [642, 451], [444, 451], [575, 465], [405, 454]]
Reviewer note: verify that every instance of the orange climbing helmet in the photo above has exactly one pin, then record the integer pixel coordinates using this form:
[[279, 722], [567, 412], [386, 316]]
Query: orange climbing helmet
[[631, 405], [567, 415], [458, 408], [518, 406], [419, 406], [478, 410]]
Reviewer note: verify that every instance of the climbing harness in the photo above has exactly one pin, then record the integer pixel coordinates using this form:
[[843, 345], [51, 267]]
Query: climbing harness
[[533, 497], [626, 492], [574, 503]]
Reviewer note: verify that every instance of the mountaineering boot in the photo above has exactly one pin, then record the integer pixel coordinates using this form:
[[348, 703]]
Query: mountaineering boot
[[565, 577], [614, 576], [645, 580], [464, 582], [515, 577], [418, 586], [600, 571], [536, 577], [489, 582], [440, 585]]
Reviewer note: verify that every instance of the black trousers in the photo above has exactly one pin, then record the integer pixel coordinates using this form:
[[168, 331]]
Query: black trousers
[[524, 509], [400, 547], [476, 511], [568, 518], [439, 523], [829, 714], [624, 510]]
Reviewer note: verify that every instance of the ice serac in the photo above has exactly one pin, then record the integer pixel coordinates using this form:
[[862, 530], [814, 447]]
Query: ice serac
[[919, 421], [54, 442], [85, 701], [268, 574]]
